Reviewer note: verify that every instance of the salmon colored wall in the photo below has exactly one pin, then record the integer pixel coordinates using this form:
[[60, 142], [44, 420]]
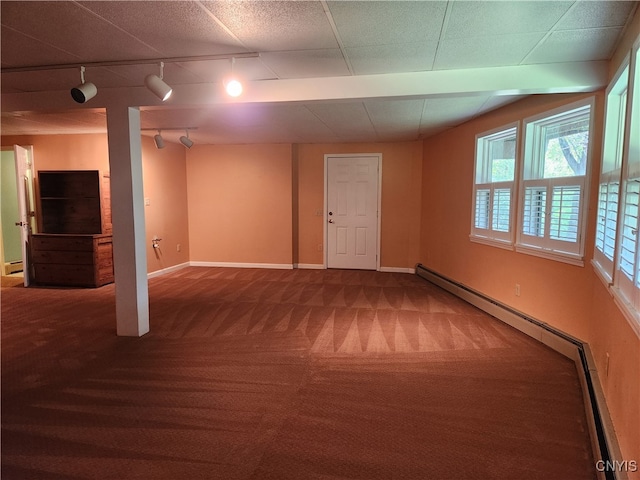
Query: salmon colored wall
[[240, 203], [401, 193], [164, 174], [565, 296], [164, 183]]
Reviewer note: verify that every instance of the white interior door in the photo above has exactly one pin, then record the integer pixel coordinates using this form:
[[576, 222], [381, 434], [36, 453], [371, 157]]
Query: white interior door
[[352, 211], [23, 179]]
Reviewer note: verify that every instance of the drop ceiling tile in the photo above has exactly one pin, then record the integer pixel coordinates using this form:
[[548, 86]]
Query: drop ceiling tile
[[363, 23], [475, 19], [345, 119], [73, 29], [215, 70], [590, 14], [412, 57], [498, 101], [171, 28], [274, 26], [395, 115], [20, 50], [450, 111], [576, 46], [489, 51], [305, 64]]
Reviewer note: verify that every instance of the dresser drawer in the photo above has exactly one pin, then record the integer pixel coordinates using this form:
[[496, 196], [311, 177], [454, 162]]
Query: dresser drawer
[[59, 242], [71, 275]]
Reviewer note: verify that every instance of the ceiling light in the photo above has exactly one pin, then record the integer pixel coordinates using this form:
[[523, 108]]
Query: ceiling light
[[158, 140], [84, 91], [232, 85], [185, 140], [157, 85]]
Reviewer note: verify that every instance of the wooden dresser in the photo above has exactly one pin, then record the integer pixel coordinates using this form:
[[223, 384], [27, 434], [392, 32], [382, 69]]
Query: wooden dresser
[[75, 246], [72, 260]]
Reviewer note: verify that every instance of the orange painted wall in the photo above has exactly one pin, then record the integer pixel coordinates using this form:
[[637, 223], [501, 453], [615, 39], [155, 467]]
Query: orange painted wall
[[401, 194], [165, 185], [570, 298], [240, 203], [164, 182]]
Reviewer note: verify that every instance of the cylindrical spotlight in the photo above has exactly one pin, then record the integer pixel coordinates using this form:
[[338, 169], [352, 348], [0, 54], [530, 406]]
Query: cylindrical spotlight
[[158, 87], [158, 140], [186, 141], [85, 91]]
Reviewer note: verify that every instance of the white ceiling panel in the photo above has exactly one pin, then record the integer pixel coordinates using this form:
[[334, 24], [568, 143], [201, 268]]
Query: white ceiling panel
[[589, 14], [383, 23], [169, 28], [345, 119], [310, 54], [497, 102], [46, 22], [596, 44], [273, 26], [494, 51], [450, 111], [18, 47], [413, 57], [474, 19], [306, 64]]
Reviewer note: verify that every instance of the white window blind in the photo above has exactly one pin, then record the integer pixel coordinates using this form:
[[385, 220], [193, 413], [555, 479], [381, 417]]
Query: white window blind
[[493, 187], [555, 165]]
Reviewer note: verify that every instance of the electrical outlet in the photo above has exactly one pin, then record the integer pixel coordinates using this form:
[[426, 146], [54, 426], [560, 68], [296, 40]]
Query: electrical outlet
[[517, 289], [178, 248], [147, 202]]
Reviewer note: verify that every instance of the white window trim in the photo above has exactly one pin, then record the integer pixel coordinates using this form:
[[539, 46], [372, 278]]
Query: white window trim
[[604, 267], [504, 240], [521, 244]]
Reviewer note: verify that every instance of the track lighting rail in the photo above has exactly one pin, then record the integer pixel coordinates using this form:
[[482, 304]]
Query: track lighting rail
[[124, 63]]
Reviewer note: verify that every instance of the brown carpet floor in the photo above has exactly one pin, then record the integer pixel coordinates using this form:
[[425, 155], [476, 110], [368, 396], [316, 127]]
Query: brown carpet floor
[[303, 374]]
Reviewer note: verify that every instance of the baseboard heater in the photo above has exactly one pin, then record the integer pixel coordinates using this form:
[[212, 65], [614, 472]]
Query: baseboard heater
[[605, 445]]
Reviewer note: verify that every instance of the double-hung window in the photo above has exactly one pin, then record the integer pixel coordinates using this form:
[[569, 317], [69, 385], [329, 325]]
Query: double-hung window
[[493, 187], [610, 171], [627, 271], [554, 181]]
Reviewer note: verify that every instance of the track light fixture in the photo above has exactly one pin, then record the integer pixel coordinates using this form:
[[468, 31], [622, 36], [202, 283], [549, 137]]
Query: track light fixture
[[158, 140], [232, 85], [156, 84], [84, 91], [185, 140]]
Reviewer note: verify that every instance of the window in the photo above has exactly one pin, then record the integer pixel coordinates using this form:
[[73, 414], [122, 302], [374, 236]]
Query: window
[[493, 187], [627, 271], [610, 171], [553, 185]]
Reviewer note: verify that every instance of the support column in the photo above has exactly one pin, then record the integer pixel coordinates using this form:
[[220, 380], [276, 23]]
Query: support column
[[127, 207]]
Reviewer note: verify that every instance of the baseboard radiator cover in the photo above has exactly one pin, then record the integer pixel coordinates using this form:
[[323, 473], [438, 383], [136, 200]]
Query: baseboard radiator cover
[[605, 445]]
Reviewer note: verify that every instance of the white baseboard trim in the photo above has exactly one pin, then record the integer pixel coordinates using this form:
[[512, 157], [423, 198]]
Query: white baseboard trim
[[598, 415], [397, 270], [309, 266], [276, 266], [164, 271]]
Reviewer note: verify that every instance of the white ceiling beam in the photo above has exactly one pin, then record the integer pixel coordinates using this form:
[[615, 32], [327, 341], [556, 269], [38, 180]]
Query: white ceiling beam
[[519, 80]]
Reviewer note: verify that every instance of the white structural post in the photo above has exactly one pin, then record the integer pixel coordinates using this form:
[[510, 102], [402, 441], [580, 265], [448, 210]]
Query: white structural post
[[127, 206]]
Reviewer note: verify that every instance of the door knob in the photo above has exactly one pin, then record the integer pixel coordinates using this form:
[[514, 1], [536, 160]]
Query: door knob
[[330, 221], [330, 213]]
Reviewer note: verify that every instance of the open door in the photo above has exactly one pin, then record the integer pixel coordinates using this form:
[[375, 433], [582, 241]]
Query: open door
[[24, 177]]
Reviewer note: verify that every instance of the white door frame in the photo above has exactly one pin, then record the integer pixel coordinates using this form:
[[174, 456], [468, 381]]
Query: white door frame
[[326, 201]]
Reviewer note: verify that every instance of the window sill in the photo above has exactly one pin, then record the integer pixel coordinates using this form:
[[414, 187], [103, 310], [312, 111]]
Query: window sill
[[630, 313], [570, 258], [493, 242], [602, 274]]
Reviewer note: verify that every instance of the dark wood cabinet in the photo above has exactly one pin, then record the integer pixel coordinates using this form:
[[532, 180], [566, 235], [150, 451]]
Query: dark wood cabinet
[[74, 247], [72, 260]]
